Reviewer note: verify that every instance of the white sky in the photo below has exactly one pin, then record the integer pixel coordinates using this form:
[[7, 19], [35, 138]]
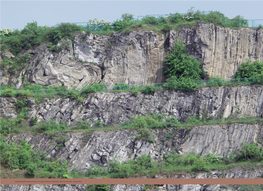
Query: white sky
[[16, 14]]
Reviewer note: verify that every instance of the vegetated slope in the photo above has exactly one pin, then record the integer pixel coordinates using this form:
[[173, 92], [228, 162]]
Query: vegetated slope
[[136, 57]]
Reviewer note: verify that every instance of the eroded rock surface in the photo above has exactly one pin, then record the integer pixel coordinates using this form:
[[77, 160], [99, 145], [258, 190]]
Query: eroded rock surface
[[130, 58], [221, 50], [136, 57], [117, 107], [99, 148]]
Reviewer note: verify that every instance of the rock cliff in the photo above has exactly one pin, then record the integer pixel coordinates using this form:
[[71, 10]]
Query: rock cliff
[[117, 107], [83, 149], [220, 50], [133, 58], [136, 57]]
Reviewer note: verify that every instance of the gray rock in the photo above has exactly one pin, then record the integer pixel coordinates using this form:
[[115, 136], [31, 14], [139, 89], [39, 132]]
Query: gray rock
[[82, 150], [118, 107], [220, 50]]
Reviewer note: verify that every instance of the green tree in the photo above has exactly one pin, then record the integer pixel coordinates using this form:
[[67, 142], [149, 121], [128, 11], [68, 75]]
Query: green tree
[[182, 65]]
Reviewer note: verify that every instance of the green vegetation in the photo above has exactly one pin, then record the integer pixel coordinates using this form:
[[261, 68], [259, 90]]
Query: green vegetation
[[140, 123], [127, 22], [250, 70], [38, 93], [16, 64], [182, 66], [99, 187], [143, 165], [36, 164], [250, 187], [33, 35]]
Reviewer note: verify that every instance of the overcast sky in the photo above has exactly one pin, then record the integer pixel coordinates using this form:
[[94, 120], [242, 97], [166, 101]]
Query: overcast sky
[[16, 14]]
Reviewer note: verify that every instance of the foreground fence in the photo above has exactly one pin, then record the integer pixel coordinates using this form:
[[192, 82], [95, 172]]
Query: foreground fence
[[126, 87]]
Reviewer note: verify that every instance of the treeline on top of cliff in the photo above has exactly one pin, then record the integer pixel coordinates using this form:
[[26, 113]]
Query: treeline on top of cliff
[[32, 35]]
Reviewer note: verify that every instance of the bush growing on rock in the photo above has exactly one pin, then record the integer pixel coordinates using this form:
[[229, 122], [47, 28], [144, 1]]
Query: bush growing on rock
[[250, 70], [182, 65], [8, 93], [125, 21], [50, 126], [62, 30], [250, 151], [150, 20], [22, 156]]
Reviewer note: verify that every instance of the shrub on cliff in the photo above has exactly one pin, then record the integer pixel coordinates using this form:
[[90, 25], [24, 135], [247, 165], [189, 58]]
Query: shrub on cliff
[[249, 70], [125, 21], [92, 88], [250, 151], [28, 37], [182, 65], [62, 30]]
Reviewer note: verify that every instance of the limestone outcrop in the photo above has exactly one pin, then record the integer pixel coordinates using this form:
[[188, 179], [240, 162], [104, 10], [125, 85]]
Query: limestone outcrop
[[99, 148], [130, 58], [136, 57], [133, 58], [220, 50], [117, 107]]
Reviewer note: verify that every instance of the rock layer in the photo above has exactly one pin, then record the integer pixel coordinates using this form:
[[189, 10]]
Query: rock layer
[[130, 58], [136, 57], [99, 148], [117, 107], [220, 50]]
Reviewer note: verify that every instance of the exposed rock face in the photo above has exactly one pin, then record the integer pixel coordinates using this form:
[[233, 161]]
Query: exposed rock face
[[48, 68], [99, 148], [4, 75], [7, 108], [221, 50], [233, 173], [119, 106], [133, 58], [136, 57], [56, 69]]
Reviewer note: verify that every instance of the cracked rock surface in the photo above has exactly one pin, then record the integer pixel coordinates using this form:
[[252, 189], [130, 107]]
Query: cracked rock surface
[[117, 107], [100, 147], [220, 50], [136, 57]]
